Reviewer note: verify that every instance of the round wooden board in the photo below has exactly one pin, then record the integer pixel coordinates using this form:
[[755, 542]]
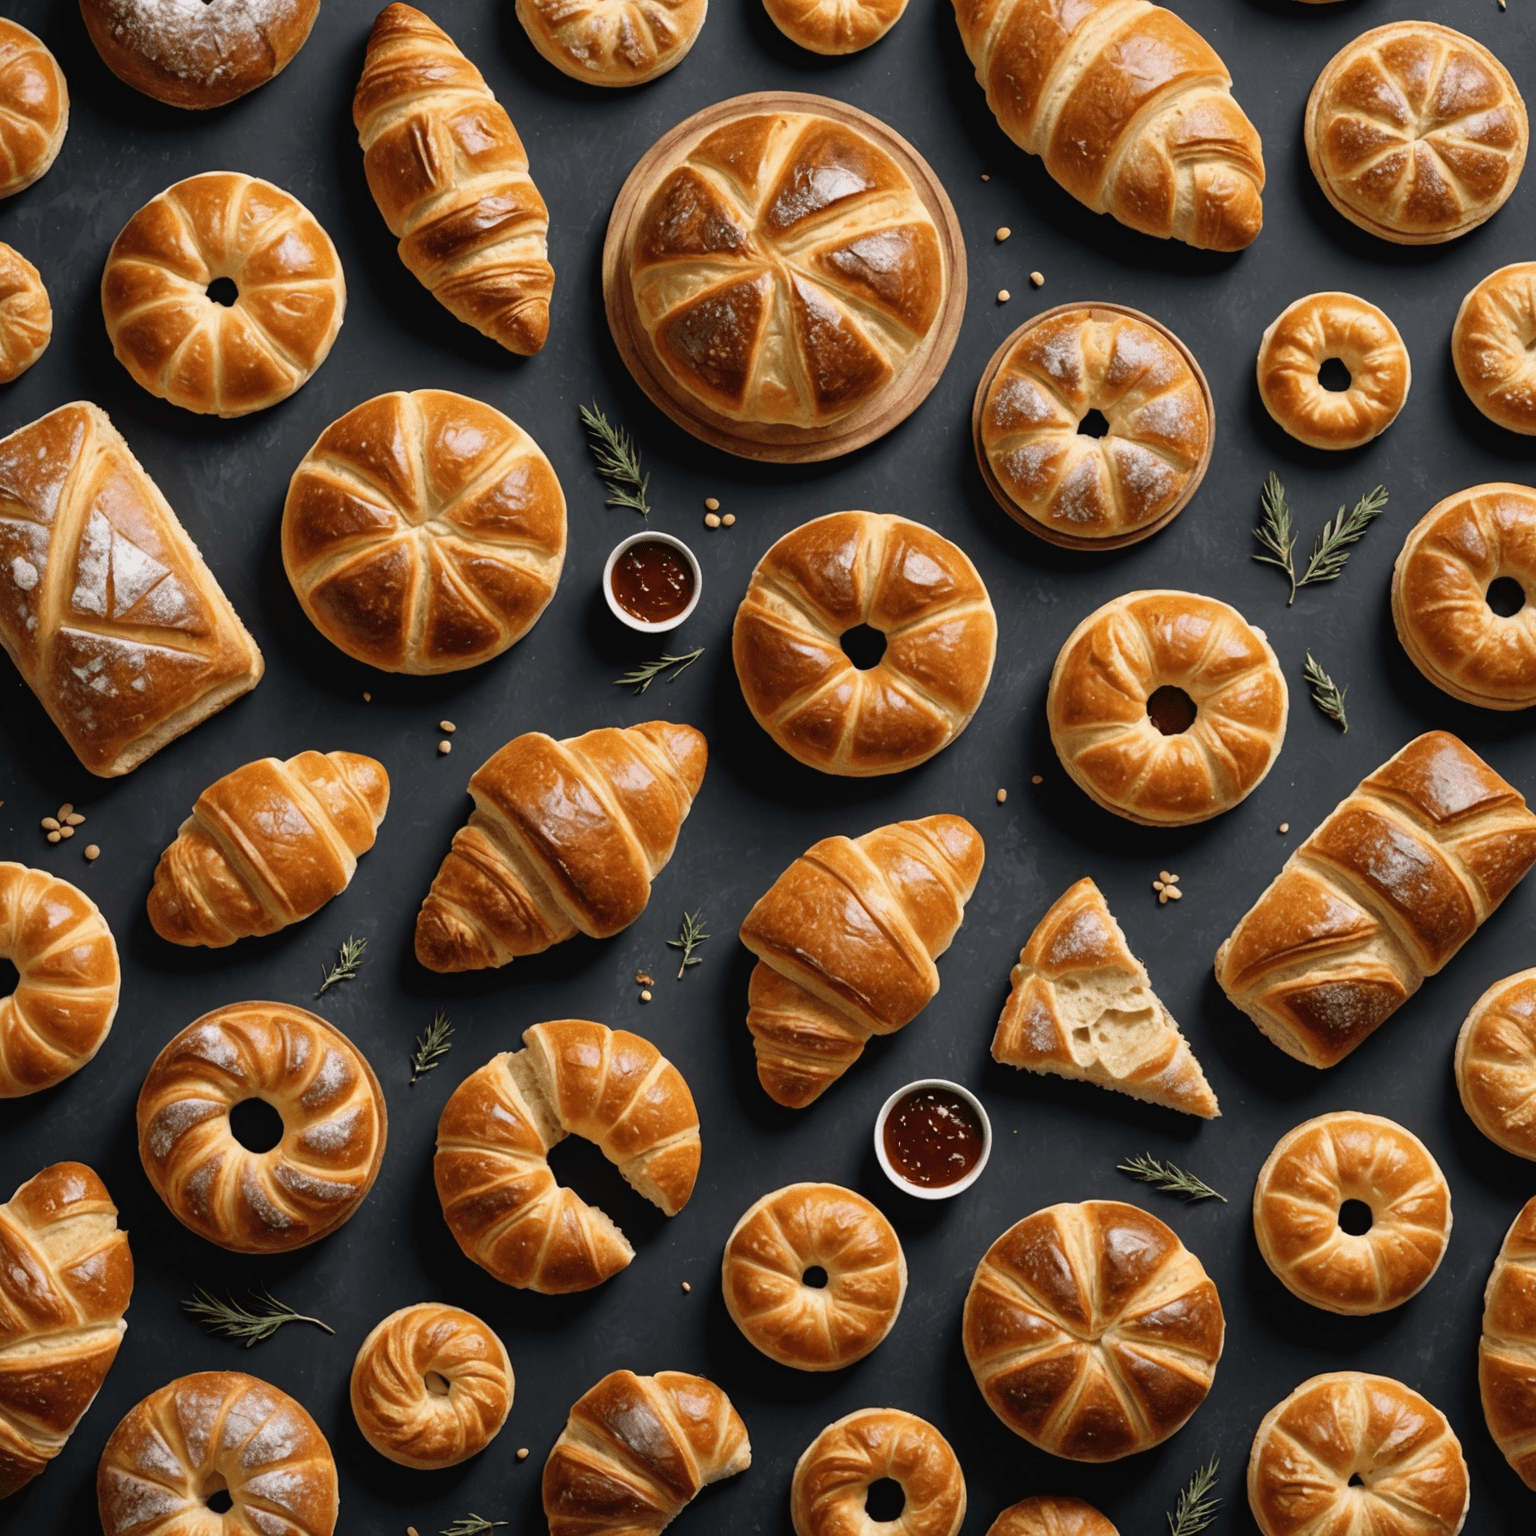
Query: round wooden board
[[1012, 508], [781, 444]]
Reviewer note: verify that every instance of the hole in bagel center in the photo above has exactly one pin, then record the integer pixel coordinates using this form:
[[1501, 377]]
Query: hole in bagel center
[[1356, 1218], [815, 1277], [1171, 710], [10, 977], [1334, 376], [256, 1125], [222, 290], [437, 1384], [216, 1495], [863, 645], [1356, 1481], [1094, 424], [884, 1499], [1505, 596]]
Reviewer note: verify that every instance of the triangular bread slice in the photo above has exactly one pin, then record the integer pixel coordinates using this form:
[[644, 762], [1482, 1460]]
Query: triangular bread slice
[[1083, 1007]]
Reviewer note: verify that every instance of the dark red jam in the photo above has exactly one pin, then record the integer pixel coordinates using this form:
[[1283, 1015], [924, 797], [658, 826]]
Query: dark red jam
[[652, 581], [932, 1137]]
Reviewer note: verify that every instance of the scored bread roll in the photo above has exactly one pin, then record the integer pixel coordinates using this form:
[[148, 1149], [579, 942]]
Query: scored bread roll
[[34, 107], [834, 26], [613, 42], [1493, 346], [26, 316], [1496, 1065], [1051, 1515], [1504, 1352]]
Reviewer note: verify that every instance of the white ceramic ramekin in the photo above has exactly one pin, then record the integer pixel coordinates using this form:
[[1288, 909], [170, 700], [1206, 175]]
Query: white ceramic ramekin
[[645, 626], [938, 1191]]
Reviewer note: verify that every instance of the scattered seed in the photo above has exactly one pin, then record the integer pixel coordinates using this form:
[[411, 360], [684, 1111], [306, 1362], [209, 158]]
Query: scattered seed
[[711, 504], [1002, 795], [75, 819], [644, 979], [711, 519], [1003, 233], [65, 810], [367, 698], [985, 177], [447, 725], [1285, 826], [66, 832], [1173, 893], [729, 520], [50, 824], [1038, 279], [411, 1530], [1003, 295], [1163, 874], [92, 852], [444, 748], [645, 994], [686, 1287], [522, 1453], [53, 837], [1036, 779]]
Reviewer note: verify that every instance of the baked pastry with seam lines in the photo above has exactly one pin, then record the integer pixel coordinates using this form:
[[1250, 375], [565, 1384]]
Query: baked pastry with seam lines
[[1492, 343], [1505, 1349], [1051, 1515], [34, 107], [1496, 1066], [26, 316], [834, 26], [613, 42]]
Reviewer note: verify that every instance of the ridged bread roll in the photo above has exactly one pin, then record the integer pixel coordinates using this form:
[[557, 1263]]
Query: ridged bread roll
[[34, 107], [1051, 1515], [1493, 346], [834, 26], [1509, 1338], [1129, 107], [26, 316], [613, 42], [1496, 1064]]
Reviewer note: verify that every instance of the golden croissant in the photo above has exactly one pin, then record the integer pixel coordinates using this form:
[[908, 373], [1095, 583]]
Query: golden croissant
[[267, 845], [846, 940]]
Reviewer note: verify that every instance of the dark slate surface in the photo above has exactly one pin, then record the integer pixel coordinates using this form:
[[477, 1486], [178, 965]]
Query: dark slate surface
[[758, 810]]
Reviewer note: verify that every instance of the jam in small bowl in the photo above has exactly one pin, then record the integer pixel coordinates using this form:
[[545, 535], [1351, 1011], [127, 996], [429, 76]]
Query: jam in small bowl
[[933, 1138], [652, 582]]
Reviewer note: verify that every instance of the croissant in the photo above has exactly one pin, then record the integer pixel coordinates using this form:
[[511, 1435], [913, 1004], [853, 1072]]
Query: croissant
[[1129, 107], [65, 1283], [635, 1451], [1381, 895], [267, 845], [450, 176], [846, 940], [566, 837]]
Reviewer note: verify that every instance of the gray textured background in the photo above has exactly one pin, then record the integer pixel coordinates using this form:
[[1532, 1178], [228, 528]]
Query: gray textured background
[[758, 809]]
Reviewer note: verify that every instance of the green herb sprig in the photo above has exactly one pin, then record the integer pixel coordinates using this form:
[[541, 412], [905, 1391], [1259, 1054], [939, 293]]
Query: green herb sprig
[[689, 938], [1169, 1178], [349, 959], [1326, 693], [472, 1525], [643, 676], [618, 461], [250, 1325], [1276, 532], [431, 1047], [1197, 1505], [1331, 551]]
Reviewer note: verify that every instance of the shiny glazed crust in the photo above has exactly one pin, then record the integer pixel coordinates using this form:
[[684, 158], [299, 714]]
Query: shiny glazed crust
[[834, 26], [1307, 334], [217, 1429], [835, 1470], [805, 1226], [1496, 1068], [34, 107], [613, 42], [1440, 595], [267, 845], [1313, 1170], [334, 1127], [829, 576], [26, 316], [1051, 1515], [424, 532], [65, 1284], [846, 940], [1412, 1480], [67, 980], [141, 644], [1401, 874], [399, 1379], [1124, 652], [1492, 347], [1416, 133], [572, 1078], [1504, 1353], [1092, 1331]]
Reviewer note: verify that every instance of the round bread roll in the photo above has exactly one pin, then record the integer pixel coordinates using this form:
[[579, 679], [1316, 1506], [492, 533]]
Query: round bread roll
[[1496, 1067], [814, 1326], [1321, 328], [217, 1432], [1092, 1331], [1166, 707], [67, 980], [177, 336], [1351, 1452], [334, 1127], [864, 569], [26, 316], [1305, 1182], [834, 26], [1493, 345], [834, 1473], [1052, 1516], [1440, 595], [34, 107], [424, 532], [572, 1078], [1414, 162], [1045, 383], [197, 55], [1508, 1343], [613, 42], [431, 1386]]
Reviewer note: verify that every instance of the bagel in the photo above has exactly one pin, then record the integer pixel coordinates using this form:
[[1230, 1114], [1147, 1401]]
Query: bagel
[[1496, 1067], [1493, 345]]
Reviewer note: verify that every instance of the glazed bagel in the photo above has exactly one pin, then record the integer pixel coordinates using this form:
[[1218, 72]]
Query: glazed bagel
[[1326, 327], [217, 1430], [834, 26], [1313, 1171], [200, 55], [832, 575], [1508, 1342], [1493, 345], [34, 107], [1496, 1064], [431, 1386], [1440, 583], [613, 42], [183, 345], [1166, 707], [26, 316], [1051, 1516], [835, 1470], [1058, 481], [774, 1246], [1351, 1452], [67, 980], [334, 1127]]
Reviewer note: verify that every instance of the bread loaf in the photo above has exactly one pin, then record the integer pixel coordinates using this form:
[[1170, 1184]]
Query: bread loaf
[[1496, 1064], [450, 176], [1380, 896], [34, 107], [136, 643], [1504, 1353], [26, 316], [846, 940]]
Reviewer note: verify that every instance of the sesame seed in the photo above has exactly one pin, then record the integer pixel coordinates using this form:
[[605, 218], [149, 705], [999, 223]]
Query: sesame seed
[[711, 504], [645, 994], [1173, 893], [1036, 779], [711, 519], [64, 810], [686, 1287], [66, 832], [447, 725], [1163, 874], [92, 852], [1002, 795], [53, 837], [729, 520], [444, 748], [1038, 279], [367, 698], [1285, 826], [75, 819], [1003, 233], [50, 824], [985, 177], [1003, 295], [522, 1453]]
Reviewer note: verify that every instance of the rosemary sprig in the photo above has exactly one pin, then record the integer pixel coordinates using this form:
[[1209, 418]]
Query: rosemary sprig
[[618, 461], [349, 959], [643, 676], [1197, 1505], [432, 1046], [230, 1320], [472, 1525], [1169, 1178], [690, 936], [1326, 693], [1275, 532], [1331, 550]]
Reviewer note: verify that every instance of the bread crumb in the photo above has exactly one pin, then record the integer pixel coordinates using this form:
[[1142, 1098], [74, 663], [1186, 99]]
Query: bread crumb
[[522, 1453], [92, 852], [1036, 779], [729, 520], [444, 748], [711, 504], [1003, 232], [367, 698], [644, 979], [711, 519], [985, 177], [645, 994], [1038, 279], [686, 1287], [1002, 795], [447, 725], [1285, 826], [1003, 295]]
